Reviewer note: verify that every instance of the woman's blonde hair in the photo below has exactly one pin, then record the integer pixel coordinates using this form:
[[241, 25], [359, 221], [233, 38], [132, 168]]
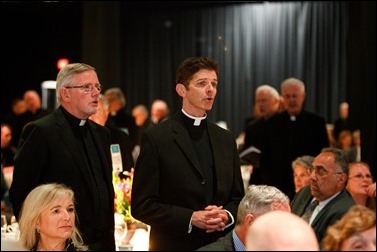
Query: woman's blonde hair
[[358, 219], [39, 199]]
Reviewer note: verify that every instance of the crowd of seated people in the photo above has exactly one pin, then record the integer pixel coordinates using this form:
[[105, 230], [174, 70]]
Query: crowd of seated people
[[337, 180]]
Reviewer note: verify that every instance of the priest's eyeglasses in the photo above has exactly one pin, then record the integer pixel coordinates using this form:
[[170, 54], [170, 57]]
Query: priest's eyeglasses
[[88, 88]]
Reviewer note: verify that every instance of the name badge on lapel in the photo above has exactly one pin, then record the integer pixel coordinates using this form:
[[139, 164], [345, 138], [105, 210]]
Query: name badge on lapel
[[116, 158]]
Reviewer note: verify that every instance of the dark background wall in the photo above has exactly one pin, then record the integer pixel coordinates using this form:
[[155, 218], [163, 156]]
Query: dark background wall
[[361, 75], [34, 36]]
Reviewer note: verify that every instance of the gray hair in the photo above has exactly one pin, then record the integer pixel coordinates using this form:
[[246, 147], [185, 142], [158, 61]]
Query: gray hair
[[340, 159], [66, 75], [305, 161], [260, 199], [272, 91], [293, 82], [117, 93]]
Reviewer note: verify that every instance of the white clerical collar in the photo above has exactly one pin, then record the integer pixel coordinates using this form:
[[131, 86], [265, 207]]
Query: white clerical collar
[[82, 122], [292, 117], [197, 120]]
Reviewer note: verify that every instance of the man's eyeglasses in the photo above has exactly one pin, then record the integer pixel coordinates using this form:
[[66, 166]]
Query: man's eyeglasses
[[361, 176], [320, 171], [88, 88]]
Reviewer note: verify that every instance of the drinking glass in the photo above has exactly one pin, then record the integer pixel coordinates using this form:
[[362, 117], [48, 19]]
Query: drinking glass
[[3, 225]]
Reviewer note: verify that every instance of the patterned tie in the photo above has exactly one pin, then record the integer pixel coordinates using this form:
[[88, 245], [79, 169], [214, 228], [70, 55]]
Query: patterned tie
[[309, 210]]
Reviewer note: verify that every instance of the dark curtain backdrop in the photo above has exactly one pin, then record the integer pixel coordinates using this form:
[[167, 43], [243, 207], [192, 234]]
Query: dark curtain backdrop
[[254, 43]]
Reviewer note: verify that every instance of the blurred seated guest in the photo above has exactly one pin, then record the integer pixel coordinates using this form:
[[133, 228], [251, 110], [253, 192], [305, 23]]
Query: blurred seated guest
[[141, 114], [330, 134], [34, 105], [355, 154], [359, 180], [7, 164], [355, 231], [18, 118], [7, 149], [345, 142], [159, 111], [302, 167], [48, 220], [119, 139], [342, 122], [258, 200], [280, 231], [118, 116], [18, 106]]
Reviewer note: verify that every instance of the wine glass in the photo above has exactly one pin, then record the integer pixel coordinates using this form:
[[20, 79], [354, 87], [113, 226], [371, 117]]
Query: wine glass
[[120, 232]]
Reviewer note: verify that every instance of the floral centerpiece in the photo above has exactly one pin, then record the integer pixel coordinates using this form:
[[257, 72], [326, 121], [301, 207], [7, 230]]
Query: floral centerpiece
[[125, 224], [122, 201]]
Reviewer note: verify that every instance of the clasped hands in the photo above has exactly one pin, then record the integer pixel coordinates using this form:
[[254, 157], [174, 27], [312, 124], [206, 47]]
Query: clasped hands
[[371, 190], [212, 218]]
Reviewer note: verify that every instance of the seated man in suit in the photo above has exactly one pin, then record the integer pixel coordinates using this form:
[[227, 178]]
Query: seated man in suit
[[328, 180], [258, 200]]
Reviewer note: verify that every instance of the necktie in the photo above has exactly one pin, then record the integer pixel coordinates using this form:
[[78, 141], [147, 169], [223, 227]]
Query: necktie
[[309, 211]]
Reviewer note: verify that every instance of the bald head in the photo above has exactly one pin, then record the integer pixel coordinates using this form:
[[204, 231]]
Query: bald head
[[280, 230], [159, 110], [33, 100]]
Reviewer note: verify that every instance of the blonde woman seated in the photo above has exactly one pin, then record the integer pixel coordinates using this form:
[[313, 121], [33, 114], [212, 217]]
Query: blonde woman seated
[[48, 220], [360, 182], [356, 230]]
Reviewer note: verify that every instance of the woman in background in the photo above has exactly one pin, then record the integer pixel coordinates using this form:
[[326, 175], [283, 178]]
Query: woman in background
[[360, 181], [356, 230], [302, 167]]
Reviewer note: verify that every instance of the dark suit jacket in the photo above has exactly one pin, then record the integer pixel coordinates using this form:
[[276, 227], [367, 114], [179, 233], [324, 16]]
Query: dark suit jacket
[[254, 137], [125, 122], [224, 243], [49, 152], [169, 184], [120, 137], [284, 141], [332, 212]]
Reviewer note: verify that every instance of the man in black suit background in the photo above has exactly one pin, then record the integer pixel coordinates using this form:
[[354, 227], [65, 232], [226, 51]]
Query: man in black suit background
[[328, 181], [267, 103], [290, 134], [119, 139], [119, 117], [66, 147], [187, 183]]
